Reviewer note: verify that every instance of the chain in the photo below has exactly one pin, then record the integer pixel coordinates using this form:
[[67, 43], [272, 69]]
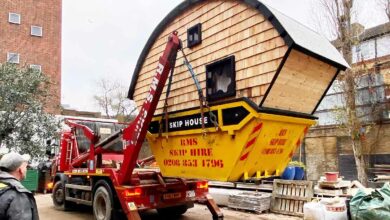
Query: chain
[[202, 99], [165, 108]]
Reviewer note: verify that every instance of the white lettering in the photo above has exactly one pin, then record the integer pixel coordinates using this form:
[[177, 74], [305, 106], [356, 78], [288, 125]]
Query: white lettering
[[160, 68], [175, 124], [153, 87], [149, 98], [195, 121]]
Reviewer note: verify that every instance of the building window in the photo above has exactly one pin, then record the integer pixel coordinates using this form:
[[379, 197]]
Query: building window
[[36, 67], [221, 79], [14, 18], [194, 35], [12, 57], [36, 31]]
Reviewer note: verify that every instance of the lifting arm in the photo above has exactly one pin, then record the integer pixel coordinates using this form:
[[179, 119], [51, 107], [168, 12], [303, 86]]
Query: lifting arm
[[86, 130], [135, 133]]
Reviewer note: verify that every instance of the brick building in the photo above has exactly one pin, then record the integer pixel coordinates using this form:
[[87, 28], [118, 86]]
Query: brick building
[[30, 36], [327, 147]]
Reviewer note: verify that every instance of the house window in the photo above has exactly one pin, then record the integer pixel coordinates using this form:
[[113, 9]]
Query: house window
[[194, 35], [36, 67], [12, 57], [14, 18], [221, 79], [36, 31]]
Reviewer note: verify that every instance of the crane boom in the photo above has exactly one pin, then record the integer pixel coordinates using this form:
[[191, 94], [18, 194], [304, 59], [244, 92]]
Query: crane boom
[[135, 133]]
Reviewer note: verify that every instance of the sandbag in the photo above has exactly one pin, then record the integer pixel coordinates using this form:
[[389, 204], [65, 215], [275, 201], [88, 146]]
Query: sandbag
[[371, 206]]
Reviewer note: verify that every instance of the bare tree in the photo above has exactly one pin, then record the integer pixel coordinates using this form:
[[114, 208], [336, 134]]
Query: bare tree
[[339, 14], [111, 99], [385, 4]]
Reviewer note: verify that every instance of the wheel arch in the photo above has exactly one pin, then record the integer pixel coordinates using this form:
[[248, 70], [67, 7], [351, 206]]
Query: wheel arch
[[106, 182], [60, 177]]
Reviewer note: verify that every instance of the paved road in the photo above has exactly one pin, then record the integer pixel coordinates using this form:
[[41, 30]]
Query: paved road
[[199, 212]]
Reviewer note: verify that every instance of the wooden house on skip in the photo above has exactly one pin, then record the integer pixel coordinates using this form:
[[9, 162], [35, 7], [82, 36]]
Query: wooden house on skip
[[263, 75]]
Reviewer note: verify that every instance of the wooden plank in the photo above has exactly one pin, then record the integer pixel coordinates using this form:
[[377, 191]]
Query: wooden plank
[[288, 197], [334, 185], [387, 166], [275, 203], [293, 193], [282, 201], [222, 184], [328, 192], [262, 187]]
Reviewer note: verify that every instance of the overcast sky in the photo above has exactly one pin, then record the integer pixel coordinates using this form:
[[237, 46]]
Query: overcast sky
[[103, 38]]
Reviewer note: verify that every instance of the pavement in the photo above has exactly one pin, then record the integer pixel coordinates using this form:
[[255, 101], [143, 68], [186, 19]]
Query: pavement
[[199, 212]]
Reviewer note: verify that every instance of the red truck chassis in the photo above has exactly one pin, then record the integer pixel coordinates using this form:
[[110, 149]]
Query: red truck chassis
[[123, 190]]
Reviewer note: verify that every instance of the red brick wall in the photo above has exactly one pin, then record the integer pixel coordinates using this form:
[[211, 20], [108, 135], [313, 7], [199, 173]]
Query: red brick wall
[[45, 50]]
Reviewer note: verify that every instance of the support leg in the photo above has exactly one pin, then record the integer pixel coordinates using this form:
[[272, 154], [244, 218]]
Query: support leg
[[133, 215], [213, 207]]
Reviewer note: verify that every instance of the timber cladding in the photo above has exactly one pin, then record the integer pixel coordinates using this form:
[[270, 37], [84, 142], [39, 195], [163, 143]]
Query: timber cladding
[[277, 62], [228, 28]]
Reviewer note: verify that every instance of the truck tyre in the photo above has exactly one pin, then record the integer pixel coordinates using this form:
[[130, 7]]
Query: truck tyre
[[103, 204], [58, 197], [172, 211]]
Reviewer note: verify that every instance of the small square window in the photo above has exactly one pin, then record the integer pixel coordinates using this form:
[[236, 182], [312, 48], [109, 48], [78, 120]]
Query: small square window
[[36, 31], [221, 79], [14, 18], [12, 57], [194, 35], [36, 67]]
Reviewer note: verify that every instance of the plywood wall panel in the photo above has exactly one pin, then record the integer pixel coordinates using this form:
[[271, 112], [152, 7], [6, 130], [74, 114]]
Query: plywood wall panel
[[300, 84]]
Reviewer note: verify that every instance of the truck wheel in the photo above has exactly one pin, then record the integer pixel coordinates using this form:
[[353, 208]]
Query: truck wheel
[[172, 211], [59, 197], [103, 203]]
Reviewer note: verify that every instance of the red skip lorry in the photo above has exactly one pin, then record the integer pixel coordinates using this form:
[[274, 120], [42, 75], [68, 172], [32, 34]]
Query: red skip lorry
[[97, 164]]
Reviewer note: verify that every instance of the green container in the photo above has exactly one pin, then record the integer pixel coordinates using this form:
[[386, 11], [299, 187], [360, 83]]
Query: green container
[[31, 181]]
